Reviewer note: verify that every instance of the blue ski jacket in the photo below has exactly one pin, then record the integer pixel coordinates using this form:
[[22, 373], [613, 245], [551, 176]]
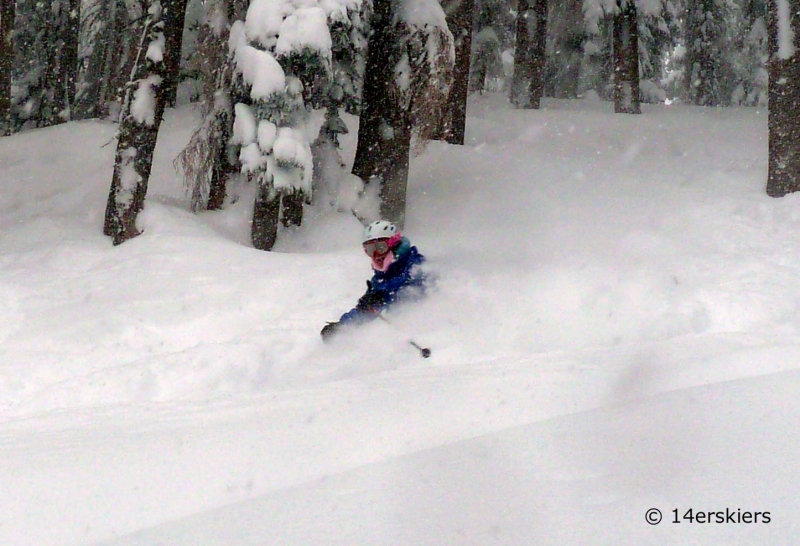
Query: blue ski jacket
[[403, 280]]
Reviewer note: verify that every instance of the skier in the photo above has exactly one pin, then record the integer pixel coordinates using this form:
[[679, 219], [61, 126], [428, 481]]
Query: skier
[[397, 275]]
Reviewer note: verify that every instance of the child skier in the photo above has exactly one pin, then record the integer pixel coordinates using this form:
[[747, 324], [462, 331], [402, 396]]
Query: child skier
[[397, 275]]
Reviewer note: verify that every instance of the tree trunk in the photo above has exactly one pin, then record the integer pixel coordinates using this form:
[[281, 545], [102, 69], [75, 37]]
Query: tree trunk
[[69, 57], [217, 188], [235, 10], [626, 59], [292, 208], [138, 130], [110, 59], [393, 190], [7, 9], [520, 81], [176, 18], [538, 52], [477, 83], [266, 211], [87, 101], [459, 21], [784, 101], [701, 65], [384, 134], [49, 93]]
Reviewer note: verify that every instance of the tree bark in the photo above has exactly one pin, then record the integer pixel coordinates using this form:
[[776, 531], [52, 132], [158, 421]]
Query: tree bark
[[384, 134], [459, 21], [292, 208], [138, 133], [266, 211], [110, 59], [784, 103], [519, 94], [7, 15], [69, 57], [176, 18], [217, 188], [538, 52], [49, 93], [626, 59]]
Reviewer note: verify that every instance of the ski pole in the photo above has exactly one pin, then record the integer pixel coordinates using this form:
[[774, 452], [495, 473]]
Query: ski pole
[[424, 351]]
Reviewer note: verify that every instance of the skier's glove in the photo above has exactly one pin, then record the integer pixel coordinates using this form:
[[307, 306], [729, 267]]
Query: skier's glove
[[328, 330], [371, 301]]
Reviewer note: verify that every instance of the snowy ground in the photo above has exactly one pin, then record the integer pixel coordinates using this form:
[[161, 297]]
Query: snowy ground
[[615, 328]]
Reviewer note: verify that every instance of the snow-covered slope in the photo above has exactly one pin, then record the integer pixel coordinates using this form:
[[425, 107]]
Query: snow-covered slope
[[610, 288]]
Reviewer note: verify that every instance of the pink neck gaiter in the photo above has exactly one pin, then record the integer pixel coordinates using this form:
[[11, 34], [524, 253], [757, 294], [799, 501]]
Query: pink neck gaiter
[[382, 263]]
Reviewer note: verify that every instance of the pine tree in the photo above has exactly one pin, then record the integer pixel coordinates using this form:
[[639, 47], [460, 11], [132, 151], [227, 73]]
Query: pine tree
[[68, 69], [626, 59], [7, 17], [460, 22], [493, 33], [707, 64], [288, 60], [143, 110], [520, 82], [657, 34], [538, 51], [47, 59], [174, 18], [106, 26], [205, 161], [527, 87], [784, 98], [486, 64], [751, 52], [406, 84], [566, 36]]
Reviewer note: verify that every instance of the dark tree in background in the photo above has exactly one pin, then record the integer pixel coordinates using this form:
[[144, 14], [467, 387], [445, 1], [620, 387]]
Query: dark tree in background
[[493, 32], [459, 21], [7, 11], [518, 95], [527, 86], [394, 107], [566, 34], [207, 162], [142, 113], [705, 40], [111, 40], [45, 68], [784, 99], [68, 69], [626, 59], [538, 50], [380, 156], [174, 18]]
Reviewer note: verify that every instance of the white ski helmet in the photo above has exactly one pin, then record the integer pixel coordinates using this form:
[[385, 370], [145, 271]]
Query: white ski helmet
[[379, 230]]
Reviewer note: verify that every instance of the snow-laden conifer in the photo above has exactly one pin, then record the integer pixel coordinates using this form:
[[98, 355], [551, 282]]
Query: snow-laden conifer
[[657, 32], [289, 57], [45, 67]]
